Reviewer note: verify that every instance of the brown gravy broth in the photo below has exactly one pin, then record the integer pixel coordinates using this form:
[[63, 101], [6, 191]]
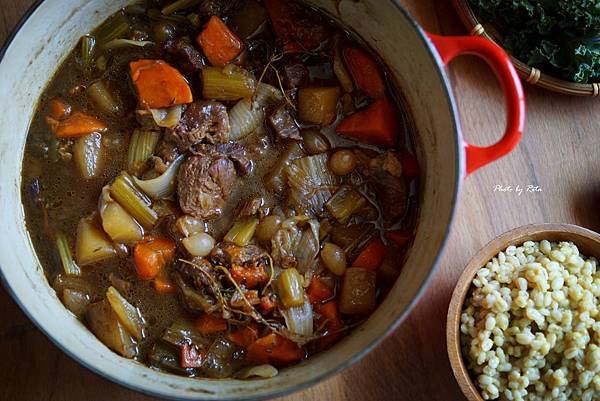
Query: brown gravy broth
[[56, 197]]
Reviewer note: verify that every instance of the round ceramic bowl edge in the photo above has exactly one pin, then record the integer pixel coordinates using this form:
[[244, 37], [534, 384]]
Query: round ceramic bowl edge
[[517, 236]]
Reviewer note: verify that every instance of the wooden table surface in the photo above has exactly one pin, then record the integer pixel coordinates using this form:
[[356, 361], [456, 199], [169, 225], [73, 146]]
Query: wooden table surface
[[559, 153]]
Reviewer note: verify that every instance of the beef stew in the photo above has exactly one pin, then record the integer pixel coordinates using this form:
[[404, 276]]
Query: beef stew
[[216, 186]]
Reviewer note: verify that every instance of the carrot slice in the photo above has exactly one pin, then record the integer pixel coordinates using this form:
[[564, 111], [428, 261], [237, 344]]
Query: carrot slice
[[244, 336], [210, 324], [59, 109], [399, 237], [330, 316], [377, 124], [151, 255], [77, 124], [318, 291], [218, 43], [267, 304], [159, 85], [372, 256], [364, 70], [274, 349], [250, 275]]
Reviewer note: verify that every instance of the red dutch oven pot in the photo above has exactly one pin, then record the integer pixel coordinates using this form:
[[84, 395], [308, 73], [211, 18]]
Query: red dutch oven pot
[[416, 62]]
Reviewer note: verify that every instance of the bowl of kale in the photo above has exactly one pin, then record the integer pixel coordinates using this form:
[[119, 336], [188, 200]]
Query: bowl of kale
[[554, 43]]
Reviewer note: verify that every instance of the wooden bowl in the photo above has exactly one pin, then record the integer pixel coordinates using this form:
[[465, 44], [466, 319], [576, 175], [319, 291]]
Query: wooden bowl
[[531, 75], [586, 240]]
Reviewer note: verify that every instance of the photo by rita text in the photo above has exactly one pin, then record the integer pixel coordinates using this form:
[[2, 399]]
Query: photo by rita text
[[517, 189]]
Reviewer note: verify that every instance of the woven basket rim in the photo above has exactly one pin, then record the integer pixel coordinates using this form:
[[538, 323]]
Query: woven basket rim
[[529, 74]]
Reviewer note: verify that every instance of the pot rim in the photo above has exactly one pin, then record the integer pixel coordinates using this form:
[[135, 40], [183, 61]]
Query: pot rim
[[459, 174]]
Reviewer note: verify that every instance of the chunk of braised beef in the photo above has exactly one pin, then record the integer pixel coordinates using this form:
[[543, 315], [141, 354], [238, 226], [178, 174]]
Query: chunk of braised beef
[[238, 154], [385, 175], [167, 150], [197, 272], [297, 28], [283, 123], [204, 184], [209, 8], [195, 299], [248, 264], [187, 57], [252, 206], [388, 162], [202, 122], [295, 75]]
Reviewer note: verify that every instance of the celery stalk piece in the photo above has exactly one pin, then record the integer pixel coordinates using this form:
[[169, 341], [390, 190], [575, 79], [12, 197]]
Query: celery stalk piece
[[345, 203], [141, 147], [242, 231], [88, 45], [114, 28], [66, 258], [229, 83], [289, 288], [103, 98], [157, 15], [179, 5], [134, 201]]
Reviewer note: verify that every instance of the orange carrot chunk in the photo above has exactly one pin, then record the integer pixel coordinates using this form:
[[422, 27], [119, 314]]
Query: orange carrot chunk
[[250, 275], [366, 73], [274, 349], [267, 304], [318, 291], [77, 124], [244, 336], [210, 324], [218, 43], [159, 85], [59, 109], [331, 318], [372, 256], [376, 125], [151, 255], [399, 237]]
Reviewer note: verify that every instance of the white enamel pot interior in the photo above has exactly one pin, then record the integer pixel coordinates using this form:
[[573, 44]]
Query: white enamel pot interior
[[30, 58]]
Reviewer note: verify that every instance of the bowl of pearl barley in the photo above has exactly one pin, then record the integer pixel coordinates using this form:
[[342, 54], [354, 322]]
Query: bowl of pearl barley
[[524, 319]]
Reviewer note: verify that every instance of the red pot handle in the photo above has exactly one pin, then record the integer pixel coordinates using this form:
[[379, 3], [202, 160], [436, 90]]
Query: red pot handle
[[450, 47]]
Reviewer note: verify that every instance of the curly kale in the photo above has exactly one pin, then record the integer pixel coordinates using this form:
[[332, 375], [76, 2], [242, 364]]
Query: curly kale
[[560, 37]]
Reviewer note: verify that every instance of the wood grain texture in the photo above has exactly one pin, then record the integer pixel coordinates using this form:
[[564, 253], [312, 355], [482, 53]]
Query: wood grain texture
[[559, 153], [587, 241]]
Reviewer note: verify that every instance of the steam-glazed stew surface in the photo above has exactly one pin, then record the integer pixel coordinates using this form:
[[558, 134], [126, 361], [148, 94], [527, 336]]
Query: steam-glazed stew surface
[[220, 188]]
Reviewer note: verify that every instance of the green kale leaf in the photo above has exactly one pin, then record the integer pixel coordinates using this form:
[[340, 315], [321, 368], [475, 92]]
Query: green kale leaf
[[560, 37]]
